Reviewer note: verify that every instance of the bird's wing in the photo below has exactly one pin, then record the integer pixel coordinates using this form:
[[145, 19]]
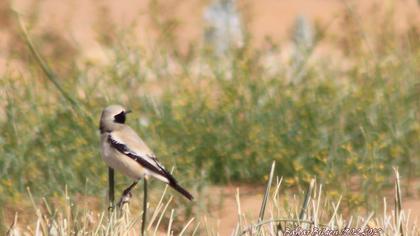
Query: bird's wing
[[145, 158], [128, 143]]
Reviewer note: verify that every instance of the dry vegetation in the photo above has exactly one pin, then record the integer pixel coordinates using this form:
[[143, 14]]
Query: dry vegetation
[[339, 105], [277, 216]]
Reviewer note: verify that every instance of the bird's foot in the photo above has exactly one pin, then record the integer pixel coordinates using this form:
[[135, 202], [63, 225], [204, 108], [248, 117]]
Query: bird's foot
[[125, 198]]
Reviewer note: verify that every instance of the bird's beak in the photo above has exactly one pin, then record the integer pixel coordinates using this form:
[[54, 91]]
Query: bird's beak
[[127, 111]]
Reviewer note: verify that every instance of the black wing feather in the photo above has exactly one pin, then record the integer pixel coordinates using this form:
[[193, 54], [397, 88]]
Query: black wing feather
[[160, 169], [122, 148]]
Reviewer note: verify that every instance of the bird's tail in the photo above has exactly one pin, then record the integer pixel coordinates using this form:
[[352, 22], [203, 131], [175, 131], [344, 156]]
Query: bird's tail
[[171, 181], [181, 190]]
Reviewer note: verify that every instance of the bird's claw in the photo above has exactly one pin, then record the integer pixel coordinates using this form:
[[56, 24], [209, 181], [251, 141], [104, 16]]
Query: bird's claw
[[125, 198]]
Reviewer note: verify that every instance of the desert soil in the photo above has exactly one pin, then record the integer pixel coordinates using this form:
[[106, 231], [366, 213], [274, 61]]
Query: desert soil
[[76, 21]]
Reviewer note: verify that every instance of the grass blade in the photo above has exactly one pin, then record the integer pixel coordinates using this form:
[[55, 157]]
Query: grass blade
[[308, 195], [266, 194], [398, 202]]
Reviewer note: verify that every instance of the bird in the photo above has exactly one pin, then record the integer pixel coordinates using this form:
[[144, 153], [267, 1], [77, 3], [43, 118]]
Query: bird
[[124, 151]]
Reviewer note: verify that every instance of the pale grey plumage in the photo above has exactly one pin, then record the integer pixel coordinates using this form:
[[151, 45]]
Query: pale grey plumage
[[123, 150]]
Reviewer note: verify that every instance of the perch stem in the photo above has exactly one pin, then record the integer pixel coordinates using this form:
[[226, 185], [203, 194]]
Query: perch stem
[[111, 193], [143, 223]]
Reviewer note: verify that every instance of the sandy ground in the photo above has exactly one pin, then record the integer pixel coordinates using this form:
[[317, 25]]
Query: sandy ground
[[222, 216], [251, 199], [77, 20]]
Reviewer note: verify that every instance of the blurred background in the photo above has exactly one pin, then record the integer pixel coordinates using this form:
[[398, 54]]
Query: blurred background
[[326, 88]]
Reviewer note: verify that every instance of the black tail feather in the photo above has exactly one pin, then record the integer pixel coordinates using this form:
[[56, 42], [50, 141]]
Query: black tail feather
[[174, 184], [181, 190]]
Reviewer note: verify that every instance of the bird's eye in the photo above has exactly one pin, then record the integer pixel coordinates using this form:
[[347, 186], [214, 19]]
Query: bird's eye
[[120, 118]]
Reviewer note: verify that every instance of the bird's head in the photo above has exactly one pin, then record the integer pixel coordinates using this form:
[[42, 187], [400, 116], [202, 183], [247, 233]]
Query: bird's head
[[112, 117]]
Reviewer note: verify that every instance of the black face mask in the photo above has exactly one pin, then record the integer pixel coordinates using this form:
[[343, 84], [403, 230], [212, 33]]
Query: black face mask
[[120, 118]]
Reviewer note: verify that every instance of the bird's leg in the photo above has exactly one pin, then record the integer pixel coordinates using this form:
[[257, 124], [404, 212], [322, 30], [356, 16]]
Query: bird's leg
[[125, 198]]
